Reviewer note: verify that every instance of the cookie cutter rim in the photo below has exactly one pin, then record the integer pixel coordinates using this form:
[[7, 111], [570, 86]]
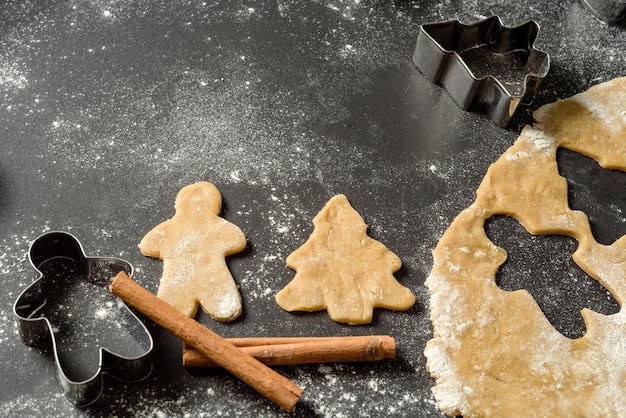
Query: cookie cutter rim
[[609, 11], [38, 331], [443, 64]]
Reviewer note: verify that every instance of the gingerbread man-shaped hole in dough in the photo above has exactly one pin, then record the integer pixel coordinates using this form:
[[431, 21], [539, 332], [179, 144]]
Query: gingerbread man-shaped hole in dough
[[193, 246]]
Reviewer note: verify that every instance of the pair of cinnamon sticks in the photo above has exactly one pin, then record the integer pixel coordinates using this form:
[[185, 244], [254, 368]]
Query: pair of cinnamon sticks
[[247, 358], [304, 350]]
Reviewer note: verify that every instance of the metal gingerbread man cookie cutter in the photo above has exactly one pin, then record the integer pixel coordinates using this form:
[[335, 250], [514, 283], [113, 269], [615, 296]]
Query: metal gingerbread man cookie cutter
[[64, 271], [466, 59]]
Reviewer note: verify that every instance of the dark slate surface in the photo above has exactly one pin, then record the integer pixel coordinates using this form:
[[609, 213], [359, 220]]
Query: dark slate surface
[[109, 107]]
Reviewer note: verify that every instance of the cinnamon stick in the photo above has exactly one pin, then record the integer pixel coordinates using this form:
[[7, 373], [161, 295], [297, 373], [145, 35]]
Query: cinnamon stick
[[266, 381], [304, 350]]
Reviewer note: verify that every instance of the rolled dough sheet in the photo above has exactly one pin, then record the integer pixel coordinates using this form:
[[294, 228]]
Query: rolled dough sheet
[[493, 352]]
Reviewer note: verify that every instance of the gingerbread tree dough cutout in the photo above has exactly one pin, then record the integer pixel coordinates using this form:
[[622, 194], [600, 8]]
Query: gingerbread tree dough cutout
[[341, 269], [493, 352], [194, 245]]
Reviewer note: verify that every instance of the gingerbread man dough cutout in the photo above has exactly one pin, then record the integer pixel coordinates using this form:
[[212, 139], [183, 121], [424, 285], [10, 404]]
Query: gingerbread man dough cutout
[[193, 246]]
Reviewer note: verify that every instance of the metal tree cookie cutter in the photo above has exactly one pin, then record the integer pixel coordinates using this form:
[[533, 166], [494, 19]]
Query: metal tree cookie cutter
[[70, 309], [485, 66]]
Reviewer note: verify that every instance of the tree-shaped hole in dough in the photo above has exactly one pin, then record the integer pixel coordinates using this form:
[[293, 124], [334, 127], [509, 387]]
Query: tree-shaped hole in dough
[[597, 191], [543, 266]]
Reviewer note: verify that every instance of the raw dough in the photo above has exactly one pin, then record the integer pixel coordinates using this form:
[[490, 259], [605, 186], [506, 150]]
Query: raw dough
[[493, 352], [341, 269], [193, 246]]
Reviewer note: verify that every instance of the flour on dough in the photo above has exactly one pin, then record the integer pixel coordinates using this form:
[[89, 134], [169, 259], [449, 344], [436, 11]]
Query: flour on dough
[[340, 269], [494, 353], [193, 246]]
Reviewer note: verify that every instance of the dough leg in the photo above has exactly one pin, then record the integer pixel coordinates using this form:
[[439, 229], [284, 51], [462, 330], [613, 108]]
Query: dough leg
[[220, 298], [173, 295]]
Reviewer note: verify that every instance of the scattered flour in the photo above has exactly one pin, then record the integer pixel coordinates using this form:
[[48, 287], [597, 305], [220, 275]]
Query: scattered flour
[[614, 121], [170, 120], [539, 139]]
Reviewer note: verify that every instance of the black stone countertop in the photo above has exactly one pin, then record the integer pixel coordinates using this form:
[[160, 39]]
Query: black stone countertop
[[109, 107]]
